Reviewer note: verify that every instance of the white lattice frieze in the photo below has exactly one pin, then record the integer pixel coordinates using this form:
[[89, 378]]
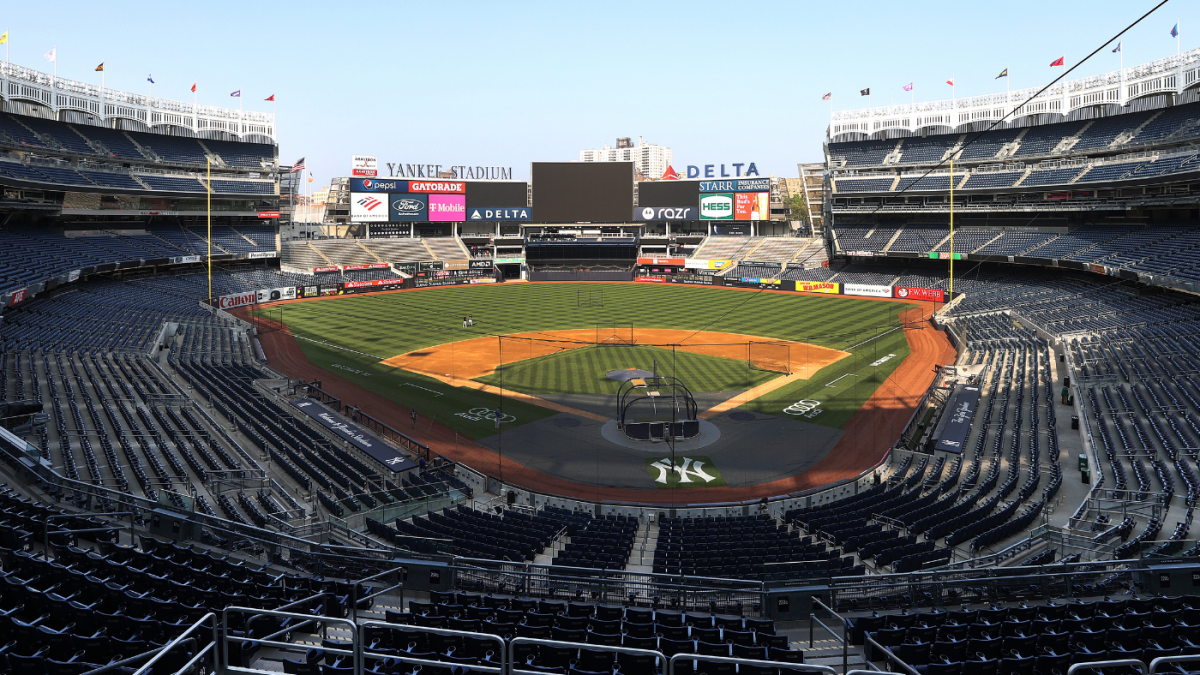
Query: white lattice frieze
[[57, 93], [1168, 75]]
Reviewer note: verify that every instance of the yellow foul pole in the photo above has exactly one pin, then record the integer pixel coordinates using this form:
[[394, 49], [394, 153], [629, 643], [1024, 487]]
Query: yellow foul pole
[[208, 197]]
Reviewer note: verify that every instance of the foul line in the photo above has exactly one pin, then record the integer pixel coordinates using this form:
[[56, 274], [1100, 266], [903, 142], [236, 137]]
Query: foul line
[[330, 344], [875, 337]]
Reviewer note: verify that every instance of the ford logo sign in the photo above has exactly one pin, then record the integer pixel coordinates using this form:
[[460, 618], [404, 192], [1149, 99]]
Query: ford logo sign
[[408, 205]]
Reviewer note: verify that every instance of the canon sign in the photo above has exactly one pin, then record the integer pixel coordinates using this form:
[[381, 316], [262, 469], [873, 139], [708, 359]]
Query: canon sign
[[237, 300]]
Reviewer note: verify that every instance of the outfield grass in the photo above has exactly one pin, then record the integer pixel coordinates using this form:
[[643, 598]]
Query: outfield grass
[[582, 371], [358, 331]]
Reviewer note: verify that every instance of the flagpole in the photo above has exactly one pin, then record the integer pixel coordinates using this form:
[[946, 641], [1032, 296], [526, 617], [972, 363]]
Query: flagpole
[[1177, 32], [1007, 90], [208, 198]]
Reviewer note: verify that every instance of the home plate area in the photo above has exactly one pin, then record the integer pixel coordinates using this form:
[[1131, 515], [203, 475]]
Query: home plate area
[[750, 449]]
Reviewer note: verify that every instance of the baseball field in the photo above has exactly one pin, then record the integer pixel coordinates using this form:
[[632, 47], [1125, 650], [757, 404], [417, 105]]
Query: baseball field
[[814, 358]]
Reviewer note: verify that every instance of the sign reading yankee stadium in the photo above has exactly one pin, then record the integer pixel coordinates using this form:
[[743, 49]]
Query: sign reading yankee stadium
[[456, 171]]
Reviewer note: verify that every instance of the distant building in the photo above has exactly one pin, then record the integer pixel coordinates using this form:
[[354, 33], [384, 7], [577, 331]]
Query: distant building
[[650, 160], [811, 184]]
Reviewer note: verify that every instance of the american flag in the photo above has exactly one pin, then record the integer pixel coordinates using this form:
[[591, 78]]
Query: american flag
[[298, 165], [828, 96]]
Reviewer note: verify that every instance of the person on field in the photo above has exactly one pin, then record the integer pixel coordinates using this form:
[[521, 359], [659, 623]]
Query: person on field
[[413, 415], [464, 322], [470, 319]]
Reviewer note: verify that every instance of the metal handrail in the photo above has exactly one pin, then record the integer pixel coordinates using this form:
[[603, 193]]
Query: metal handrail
[[1097, 665], [748, 662], [582, 645], [210, 647], [1171, 659], [362, 628], [891, 656], [356, 646], [844, 639]]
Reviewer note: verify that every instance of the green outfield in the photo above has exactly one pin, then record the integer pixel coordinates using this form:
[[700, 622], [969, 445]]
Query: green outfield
[[350, 335]]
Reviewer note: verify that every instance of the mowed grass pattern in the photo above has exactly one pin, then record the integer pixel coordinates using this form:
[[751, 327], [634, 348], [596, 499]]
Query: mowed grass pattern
[[359, 331], [582, 371]]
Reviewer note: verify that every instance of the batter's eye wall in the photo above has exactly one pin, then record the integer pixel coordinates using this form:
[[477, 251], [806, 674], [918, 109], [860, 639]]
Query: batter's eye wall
[[582, 192], [669, 193], [495, 194]]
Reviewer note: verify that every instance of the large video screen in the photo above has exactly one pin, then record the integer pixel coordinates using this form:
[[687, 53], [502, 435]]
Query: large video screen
[[668, 193], [496, 194], [582, 192]]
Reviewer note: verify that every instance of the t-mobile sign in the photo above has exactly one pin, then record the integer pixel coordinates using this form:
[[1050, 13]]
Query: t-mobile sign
[[447, 207]]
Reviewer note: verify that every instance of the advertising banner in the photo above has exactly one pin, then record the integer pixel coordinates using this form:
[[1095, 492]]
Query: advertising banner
[[860, 254], [455, 265], [499, 213], [408, 207], [373, 283], [255, 255], [644, 213], [368, 208], [330, 290], [695, 263], [356, 436], [447, 208], [378, 185], [719, 264], [752, 185], [325, 268], [428, 265], [309, 291], [273, 294], [18, 296], [830, 287], [718, 206], [364, 165], [510, 260], [652, 280], [268, 214], [372, 266], [732, 230], [944, 255], [679, 262], [437, 186], [481, 264], [867, 290], [694, 280], [930, 294], [483, 280], [751, 206], [185, 259], [958, 421], [237, 300], [73, 275]]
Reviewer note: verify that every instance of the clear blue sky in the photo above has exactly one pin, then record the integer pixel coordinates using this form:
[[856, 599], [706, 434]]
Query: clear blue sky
[[507, 83]]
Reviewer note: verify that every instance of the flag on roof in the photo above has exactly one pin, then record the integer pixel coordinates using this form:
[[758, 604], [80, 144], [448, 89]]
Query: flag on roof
[[150, 78], [237, 94], [4, 37], [864, 92], [1060, 61], [670, 174], [100, 68], [908, 87], [193, 87], [270, 98], [1117, 48], [298, 165], [52, 55], [828, 96], [1003, 73], [950, 82], [1175, 30]]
